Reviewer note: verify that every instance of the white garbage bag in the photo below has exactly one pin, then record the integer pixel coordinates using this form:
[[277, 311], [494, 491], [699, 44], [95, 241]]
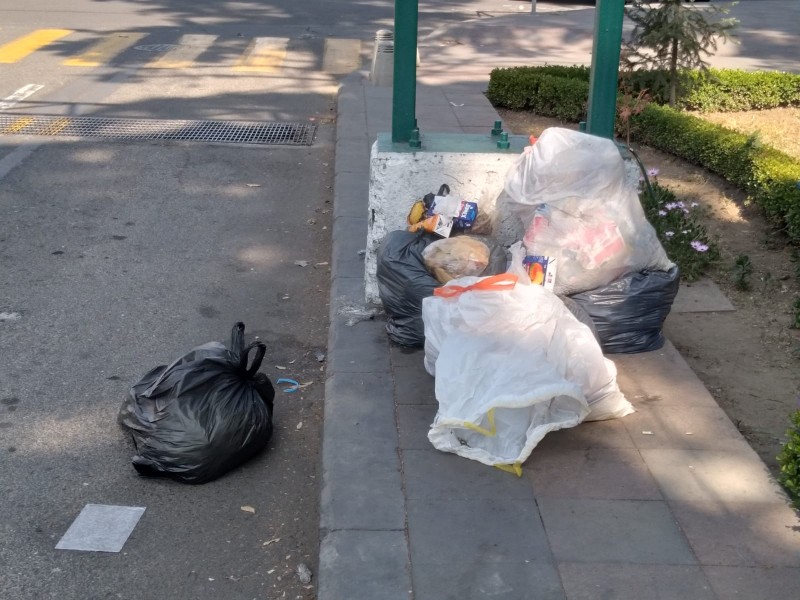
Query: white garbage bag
[[570, 191], [511, 364]]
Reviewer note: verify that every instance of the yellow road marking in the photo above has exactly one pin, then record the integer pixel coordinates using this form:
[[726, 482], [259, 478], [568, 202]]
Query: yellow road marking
[[22, 47], [56, 126], [104, 50], [263, 55], [189, 48], [18, 125], [341, 55]]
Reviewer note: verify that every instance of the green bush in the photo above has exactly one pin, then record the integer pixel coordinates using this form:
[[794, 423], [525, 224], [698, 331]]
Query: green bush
[[729, 90], [769, 177], [722, 90], [550, 91], [683, 238], [789, 459]]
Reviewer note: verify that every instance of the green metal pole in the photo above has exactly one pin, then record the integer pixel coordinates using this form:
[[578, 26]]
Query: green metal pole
[[605, 67], [404, 87]]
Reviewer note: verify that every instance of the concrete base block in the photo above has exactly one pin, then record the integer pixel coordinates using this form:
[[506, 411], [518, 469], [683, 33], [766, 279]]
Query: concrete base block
[[471, 164]]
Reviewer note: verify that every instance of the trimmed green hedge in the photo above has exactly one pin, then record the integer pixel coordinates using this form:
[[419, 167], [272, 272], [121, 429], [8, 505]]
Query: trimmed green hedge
[[556, 91], [770, 177], [725, 90]]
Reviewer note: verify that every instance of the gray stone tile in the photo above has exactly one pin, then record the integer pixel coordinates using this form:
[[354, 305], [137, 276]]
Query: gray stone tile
[[712, 476], [361, 485], [476, 116], [413, 385], [468, 97], [345, 292], [435, 475], [437, 122], [609, 473], [360, 406], [590, 434], [431, 97], [362, 348], [350, 195], [500, 581], [352, 158], [404, 356], [592, 581], [743, 534], [477, 530], [413, 424], [689, 428], [700, 296], [349, 236], [750, 583], [628, 531], [364, 564], [660, 378]]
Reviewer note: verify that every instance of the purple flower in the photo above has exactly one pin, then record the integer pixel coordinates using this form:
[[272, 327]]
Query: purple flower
[[671, 205], [685, 211], [653, 172], [699, 246], [662, 213], [694, 205], [669, 233]]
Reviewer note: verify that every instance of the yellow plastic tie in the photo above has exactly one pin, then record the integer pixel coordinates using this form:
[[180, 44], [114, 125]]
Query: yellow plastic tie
[[483, 431], [515, 468]]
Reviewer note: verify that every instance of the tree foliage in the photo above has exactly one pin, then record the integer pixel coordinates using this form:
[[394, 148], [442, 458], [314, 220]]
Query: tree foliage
[[674, 35]]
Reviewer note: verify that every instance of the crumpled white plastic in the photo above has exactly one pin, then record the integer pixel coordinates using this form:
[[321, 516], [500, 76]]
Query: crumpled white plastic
[[511, 364]]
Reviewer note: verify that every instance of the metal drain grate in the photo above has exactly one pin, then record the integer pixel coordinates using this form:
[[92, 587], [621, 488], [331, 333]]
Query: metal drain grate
[[232, 132]]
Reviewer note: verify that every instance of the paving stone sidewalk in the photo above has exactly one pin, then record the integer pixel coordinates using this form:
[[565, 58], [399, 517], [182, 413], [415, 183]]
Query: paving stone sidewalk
[[669, 502]]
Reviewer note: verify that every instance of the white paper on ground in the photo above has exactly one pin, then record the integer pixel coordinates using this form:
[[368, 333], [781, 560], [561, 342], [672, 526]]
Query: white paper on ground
[[101, 528]]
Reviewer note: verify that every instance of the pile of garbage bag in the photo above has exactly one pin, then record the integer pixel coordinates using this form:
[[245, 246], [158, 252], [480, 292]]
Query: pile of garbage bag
[[202, 415], [516, 337]]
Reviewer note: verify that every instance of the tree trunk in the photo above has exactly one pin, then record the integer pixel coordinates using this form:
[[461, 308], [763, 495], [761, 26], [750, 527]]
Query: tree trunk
[[673, 74]]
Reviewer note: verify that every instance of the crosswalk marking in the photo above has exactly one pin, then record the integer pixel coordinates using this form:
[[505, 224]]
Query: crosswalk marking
[[189, 48], [20, 95], [105, 49], [263, 55], [22, 47], [341, 56]]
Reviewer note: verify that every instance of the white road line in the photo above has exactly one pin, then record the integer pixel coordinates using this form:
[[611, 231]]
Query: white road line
[[19, 95]]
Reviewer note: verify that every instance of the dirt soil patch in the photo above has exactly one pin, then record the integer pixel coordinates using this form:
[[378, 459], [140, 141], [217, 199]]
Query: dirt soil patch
[[749, 359]]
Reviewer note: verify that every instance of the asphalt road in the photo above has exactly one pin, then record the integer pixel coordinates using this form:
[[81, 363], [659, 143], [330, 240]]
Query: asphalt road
[[118, 256]]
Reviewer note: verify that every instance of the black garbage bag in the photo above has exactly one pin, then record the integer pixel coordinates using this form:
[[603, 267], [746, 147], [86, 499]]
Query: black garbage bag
[[403, 281], [629, 313], [202, 415]]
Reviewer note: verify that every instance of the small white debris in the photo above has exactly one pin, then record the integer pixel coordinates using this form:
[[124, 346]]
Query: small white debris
[[10, 316], [301, 263], [253, 184], [304, 573], [321, 264], [272, 541], [249, 509], [647, 433], [280, 367], [300, 425], [211, 579]]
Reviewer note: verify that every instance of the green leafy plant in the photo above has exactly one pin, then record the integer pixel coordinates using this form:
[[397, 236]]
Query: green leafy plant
[[789, 459], [796, 316], [674, 35], [684, 239], [741, 271]]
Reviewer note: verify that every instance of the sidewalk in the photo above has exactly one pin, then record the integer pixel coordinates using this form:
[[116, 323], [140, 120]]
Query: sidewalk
[[670, 502]]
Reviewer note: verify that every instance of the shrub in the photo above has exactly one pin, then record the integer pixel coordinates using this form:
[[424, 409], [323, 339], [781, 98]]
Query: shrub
[[789, 459], [551, 91], [685, 241], [728, 90]]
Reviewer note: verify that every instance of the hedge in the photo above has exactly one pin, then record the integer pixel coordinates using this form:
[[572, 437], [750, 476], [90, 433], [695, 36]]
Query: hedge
[[723, 90], [770, 177]]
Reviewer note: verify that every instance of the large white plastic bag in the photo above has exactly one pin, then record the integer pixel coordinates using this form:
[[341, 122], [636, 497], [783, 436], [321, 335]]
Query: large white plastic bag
[[570, 191], [511, 365]]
